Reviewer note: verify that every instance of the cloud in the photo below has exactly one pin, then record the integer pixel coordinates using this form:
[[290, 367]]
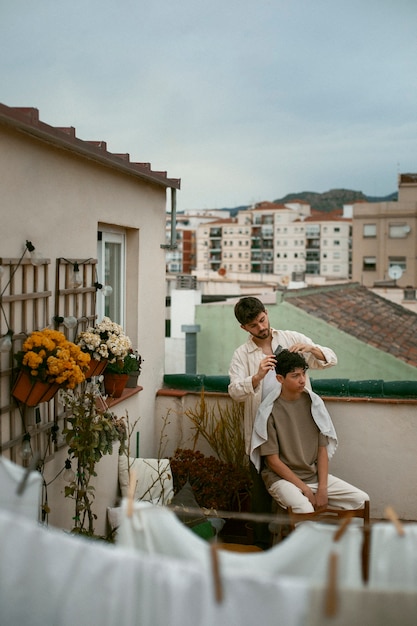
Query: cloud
[[242, 100]]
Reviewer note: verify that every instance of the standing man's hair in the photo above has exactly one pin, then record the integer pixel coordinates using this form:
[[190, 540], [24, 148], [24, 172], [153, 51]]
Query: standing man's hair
[[288, 362], [247, 309]]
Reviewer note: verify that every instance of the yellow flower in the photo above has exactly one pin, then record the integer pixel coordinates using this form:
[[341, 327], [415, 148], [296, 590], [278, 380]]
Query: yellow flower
[[49, 356]]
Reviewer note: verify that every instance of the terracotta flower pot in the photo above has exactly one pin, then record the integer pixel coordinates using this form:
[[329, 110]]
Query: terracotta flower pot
[[114, 384], [33, 393], [96, 367]]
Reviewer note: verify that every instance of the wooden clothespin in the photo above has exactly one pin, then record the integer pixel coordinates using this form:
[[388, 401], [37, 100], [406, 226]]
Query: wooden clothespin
[[331, 599], [343, 525], [131, 493], [215, 567], [393, 517]]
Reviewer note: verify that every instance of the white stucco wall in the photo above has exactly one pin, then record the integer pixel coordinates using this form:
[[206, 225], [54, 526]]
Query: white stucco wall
[[376, 452], [59, 200]]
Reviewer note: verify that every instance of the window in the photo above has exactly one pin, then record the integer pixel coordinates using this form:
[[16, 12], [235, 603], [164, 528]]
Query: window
[[369, 230], [398, 231], [111, 271], [369, 264], [398, 260]]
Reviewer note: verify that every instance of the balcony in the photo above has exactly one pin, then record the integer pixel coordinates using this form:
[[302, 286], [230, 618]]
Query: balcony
[[375, 421]]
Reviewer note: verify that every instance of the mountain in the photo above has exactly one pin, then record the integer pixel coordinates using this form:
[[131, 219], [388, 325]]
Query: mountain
[[333, 199], [327, 201]]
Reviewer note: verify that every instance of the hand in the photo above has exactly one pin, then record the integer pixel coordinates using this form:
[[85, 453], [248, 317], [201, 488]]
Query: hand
[[267, 364], [309, 495], [321, 498], [306, 347], [301, 347]]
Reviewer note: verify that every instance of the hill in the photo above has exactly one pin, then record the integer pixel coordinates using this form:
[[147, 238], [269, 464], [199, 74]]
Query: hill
[[333, 199]]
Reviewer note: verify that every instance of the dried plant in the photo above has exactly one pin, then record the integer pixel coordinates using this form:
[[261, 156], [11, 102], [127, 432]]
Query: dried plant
[[222, 428]]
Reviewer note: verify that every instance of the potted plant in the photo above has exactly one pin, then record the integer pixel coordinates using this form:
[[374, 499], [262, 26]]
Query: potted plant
[[123, 373], [132, 366], [91, 432], [215, 483], [106, 343], [48, 362]]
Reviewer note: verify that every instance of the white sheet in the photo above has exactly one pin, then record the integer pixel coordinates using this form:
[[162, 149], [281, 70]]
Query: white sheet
[[48, 577], [393, 563], [29, 502], [156, 530]]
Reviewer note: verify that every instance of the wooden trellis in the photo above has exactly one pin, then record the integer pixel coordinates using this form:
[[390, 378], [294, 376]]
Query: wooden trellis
[[25, 306]]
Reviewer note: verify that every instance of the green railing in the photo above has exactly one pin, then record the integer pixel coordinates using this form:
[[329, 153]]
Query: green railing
[[342, 387]]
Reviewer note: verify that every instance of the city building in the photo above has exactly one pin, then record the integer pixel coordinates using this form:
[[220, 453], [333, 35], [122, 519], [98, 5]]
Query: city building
[[384, 240], [278, 243]]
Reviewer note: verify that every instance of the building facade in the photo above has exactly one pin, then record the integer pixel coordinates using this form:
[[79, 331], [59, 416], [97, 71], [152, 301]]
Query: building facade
[[276, 242], [385, 238], [77, 203]]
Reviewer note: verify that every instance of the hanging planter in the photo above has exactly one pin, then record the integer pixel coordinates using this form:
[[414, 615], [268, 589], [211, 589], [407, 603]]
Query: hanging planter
[[48, 362], [96, 367], [31, 392], [114, 384]]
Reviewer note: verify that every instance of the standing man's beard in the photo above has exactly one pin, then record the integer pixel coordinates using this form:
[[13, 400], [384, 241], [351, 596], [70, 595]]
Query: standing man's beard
[[265, 334]]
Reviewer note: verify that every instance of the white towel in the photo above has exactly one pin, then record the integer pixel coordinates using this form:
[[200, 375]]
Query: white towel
[[318, 410]]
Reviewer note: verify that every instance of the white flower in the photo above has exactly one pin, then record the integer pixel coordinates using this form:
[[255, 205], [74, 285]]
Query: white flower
[[106, 340]]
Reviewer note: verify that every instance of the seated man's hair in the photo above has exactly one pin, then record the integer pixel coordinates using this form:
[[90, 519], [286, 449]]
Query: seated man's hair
[[289, 361], [247, 309]]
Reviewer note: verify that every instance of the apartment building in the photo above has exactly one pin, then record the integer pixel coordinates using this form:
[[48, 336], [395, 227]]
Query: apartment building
[[285, 242], [384, 239], [328, 244], [182, 258]]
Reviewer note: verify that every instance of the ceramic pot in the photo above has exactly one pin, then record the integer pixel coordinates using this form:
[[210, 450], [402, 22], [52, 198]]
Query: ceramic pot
[[114, 384], [132, 381]]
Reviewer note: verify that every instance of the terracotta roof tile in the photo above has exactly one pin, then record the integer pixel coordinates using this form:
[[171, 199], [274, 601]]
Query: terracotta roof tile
[[26, 119], [366, 316]]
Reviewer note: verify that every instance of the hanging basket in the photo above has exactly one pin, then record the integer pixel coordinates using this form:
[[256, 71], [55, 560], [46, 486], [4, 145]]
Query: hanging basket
[[114, 384], [31, 392], [96, 368]]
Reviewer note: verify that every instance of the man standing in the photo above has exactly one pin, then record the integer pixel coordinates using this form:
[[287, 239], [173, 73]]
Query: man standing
[[252, 377]]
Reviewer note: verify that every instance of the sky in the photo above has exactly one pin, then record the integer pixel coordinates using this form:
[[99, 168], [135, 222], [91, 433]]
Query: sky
[[244, 100]]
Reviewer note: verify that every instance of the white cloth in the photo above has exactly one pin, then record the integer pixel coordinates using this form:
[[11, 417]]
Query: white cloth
[[48, 577], [318, 411], [156, 530], [28, 503], [393, 563], [245, 363]]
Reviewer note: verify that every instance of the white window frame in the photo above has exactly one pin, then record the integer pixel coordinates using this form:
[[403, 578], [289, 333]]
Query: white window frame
[[113, 305], [369, 230]]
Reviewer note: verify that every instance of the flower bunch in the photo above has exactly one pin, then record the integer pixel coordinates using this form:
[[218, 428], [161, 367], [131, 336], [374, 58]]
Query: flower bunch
[[106, 340], [131, 363], [48, 356]]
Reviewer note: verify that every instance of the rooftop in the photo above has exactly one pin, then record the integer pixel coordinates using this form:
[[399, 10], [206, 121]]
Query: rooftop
[[26, 120], [362, 314]]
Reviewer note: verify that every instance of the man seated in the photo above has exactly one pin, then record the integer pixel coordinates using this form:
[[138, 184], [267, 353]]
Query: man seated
[[292, 442]]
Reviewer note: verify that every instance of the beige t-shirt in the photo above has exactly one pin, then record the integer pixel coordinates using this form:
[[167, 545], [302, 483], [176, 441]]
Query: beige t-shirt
[[294, 436]]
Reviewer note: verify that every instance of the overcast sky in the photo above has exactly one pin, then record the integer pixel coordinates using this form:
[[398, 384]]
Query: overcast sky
[[244, 100]]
